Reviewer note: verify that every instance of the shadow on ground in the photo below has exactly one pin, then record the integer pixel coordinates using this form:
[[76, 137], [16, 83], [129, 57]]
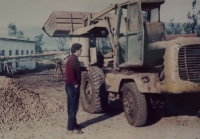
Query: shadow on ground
[[114, 109], [182, 108], [184, 105]]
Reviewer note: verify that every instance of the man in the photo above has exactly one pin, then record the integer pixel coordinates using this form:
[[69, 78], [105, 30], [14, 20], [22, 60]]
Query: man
[[58, 72], [100, 60], [73, 79]]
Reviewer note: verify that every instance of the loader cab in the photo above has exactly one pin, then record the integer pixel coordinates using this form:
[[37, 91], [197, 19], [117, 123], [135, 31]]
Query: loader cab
[[138, 20]]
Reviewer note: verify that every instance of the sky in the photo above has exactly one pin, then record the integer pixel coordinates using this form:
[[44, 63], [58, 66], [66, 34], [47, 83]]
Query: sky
[[30, 15]]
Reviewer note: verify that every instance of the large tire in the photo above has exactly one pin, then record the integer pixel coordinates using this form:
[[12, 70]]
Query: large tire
[[135, 106], [93, 96]]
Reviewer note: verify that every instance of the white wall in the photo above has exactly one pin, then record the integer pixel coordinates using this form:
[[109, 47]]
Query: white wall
[[16, 45], [20, 45]]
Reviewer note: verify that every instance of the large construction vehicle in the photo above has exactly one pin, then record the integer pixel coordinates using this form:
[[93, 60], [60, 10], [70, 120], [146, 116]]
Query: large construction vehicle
[[142, 63]]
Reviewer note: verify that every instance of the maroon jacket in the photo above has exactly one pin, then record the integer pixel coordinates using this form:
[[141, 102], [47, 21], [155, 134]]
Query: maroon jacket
[[73, 70]]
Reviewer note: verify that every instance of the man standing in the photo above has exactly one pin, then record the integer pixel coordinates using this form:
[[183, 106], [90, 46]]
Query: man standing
[[73, 79]]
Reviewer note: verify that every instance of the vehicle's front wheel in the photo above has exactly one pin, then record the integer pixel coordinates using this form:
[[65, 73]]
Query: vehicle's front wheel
[[93, 95], [134, 103]]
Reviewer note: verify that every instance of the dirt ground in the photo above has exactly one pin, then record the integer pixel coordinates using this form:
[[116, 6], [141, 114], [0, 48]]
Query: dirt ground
[[173, 123]]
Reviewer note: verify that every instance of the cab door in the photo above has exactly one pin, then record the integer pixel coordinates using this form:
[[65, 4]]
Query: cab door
[[134, 36]]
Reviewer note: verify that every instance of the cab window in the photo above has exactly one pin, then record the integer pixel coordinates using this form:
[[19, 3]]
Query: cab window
[[133, 22]]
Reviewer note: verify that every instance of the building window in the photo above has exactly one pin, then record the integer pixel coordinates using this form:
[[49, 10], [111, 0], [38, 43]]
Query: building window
[[17, 64], [26, 52], [31, 51], [10, 52], [17, 52], [3, 52], [22, 52]]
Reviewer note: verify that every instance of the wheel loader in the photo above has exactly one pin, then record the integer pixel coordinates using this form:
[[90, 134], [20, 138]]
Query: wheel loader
[[141, 64]]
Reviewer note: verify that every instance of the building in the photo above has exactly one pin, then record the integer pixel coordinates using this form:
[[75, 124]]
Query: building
[[10, 49]]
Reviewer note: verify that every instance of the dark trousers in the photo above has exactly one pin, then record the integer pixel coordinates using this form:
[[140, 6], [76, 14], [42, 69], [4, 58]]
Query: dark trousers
[[72, 105]]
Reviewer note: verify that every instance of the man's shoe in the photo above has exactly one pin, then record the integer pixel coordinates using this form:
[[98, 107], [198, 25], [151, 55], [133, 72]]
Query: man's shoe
[[70, 131], [77, 131]]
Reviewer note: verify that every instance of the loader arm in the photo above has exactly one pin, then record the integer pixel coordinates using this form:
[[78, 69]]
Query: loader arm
[[64, 23]]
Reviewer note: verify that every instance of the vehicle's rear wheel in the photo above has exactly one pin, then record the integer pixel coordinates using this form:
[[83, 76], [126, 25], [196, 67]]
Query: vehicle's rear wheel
[[135, 106], [93, 95]]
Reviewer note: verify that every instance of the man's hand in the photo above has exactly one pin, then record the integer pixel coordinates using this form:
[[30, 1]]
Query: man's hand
[[88, 70], [76, 85]]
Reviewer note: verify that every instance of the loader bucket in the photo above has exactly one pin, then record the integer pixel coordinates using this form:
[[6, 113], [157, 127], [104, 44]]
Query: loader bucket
[[65, 23], [61, 23]]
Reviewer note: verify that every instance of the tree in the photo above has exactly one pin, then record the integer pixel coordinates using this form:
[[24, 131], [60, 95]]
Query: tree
[[198, 31], [174, 28], [61, 43], [20, 35], [28, 39], [12, 29], [39, 43], [103, 45], [192, 25]]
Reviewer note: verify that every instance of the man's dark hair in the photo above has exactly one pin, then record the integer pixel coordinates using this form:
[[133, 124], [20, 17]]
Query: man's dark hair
[[75, 47]]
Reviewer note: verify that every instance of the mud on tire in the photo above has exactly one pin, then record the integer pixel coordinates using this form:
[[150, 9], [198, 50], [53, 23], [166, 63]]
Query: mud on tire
[[135, 106], [93, 95]]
